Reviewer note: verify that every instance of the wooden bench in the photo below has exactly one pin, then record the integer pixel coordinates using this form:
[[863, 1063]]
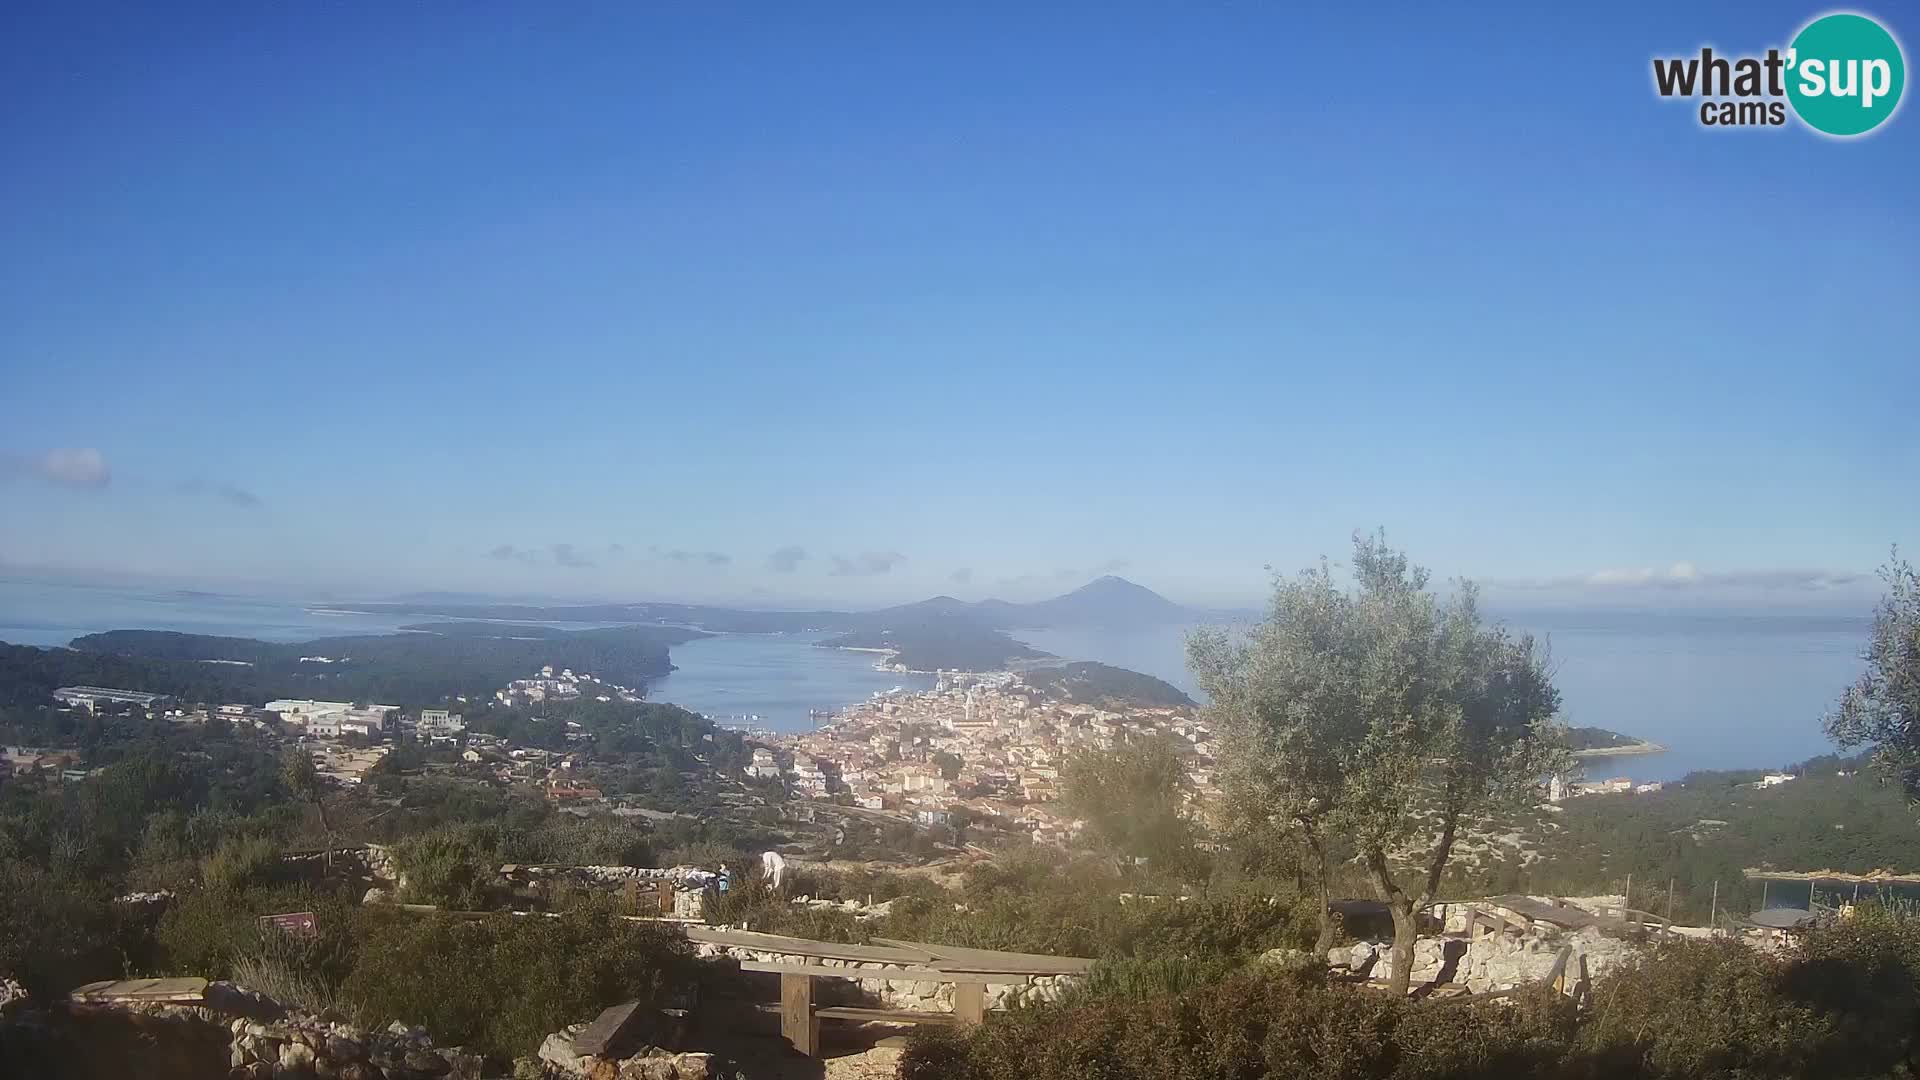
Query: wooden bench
[[800, 1017], [968, 971]]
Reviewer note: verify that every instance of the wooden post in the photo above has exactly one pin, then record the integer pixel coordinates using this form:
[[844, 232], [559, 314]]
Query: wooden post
[[969, 1003], [1713, 913], [1669, 901], [797, 1021], [666, 898], [1764, 885]]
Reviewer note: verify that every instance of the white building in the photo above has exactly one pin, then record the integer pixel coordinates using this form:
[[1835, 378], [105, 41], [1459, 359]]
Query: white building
[[304, 708], [763, 766], [88, 696], [808, 777], [440, 722]]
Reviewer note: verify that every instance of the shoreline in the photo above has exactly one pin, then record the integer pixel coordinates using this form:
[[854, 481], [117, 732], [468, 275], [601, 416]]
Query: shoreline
[[1638, 749]]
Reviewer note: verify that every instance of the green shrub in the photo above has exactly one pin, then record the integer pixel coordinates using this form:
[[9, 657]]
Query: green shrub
[[1138, 979], [241, 863], [1247, 1026], [202, 932], [444, 868], [1050, 905], [754, 903], [1722, 1009], [55, 932], [209, 933], [500, 983]]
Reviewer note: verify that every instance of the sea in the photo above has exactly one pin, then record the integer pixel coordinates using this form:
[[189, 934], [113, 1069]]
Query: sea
[[1719, 692]]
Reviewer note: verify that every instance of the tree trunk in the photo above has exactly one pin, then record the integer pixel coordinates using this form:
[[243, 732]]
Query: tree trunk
[[1406, 920], [1406, 925], [326, 829], [1323, 888]]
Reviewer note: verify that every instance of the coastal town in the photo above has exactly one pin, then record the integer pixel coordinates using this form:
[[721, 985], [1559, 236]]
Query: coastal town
[[988, 747], [976, 748], [991, 746]]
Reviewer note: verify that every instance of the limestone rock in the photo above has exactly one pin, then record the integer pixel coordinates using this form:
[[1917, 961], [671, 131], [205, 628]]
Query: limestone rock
[[557, 1050], [421, 1061], [296, 1060], [1289, 959], [462, 1065]]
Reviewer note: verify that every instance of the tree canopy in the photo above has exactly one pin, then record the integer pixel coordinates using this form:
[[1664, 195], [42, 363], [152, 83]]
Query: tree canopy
[[1133, 798], [1383, 711], [1882, 708]]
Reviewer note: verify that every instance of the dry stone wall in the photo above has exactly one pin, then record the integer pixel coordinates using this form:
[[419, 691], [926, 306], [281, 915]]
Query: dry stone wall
[[903, 993]]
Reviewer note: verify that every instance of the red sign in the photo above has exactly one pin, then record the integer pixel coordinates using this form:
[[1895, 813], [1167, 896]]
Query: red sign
[[298, 923]]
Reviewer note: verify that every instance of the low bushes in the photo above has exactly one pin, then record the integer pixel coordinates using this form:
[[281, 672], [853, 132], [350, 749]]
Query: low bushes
[[497, 984], [500, 983], [1842, 1005], [1037, 903], [55, 932], [1247, 1026], [242, 862], [445, 868], [209, 932], [755, 904]]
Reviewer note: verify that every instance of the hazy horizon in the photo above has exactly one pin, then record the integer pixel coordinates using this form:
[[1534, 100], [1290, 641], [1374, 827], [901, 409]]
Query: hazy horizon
[[1505, 604]]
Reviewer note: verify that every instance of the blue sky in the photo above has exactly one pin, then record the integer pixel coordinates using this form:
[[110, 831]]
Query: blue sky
[[624, 300]]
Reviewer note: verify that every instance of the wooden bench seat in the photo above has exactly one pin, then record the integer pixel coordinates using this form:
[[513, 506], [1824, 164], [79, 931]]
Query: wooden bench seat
[[890, 1016], [800, 1017]]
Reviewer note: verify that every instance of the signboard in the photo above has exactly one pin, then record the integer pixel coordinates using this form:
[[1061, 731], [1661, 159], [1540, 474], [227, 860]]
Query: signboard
[[297, 923]]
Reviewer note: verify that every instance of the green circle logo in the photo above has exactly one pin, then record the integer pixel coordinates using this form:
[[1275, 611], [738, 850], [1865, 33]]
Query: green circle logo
[[1845, 74]]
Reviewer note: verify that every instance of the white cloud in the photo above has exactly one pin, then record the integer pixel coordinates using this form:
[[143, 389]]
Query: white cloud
[[866, 564], [75, 467], [1688, 576], [786, 559]]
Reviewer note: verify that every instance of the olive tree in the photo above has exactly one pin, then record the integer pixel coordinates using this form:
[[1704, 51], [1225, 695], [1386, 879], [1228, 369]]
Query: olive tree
[[303, 782], [1386, 715], [1277, 697], [1882, 708], [1133, 798]]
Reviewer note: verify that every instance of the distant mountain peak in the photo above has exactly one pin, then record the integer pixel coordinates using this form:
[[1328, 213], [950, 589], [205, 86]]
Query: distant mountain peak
[[1104, 601], [1113, 583], [1107, 599]]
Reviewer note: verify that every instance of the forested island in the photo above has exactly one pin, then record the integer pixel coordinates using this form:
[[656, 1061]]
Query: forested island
[[422, 667], [1599, 742], [1088, 683], [941, 645], [1111, 601]]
